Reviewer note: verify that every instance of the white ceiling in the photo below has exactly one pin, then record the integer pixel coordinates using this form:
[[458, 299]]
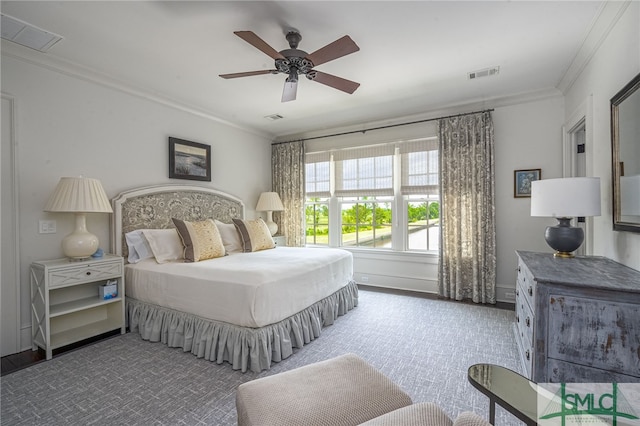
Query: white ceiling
[[414, 56]]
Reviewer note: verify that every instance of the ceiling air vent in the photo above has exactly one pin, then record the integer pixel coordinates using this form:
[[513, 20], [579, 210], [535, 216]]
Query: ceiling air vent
[[484, 73], [27, 35], [274, 117]]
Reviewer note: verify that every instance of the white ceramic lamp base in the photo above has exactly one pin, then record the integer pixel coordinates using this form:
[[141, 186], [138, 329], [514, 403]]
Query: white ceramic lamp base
[[80, 243], [273, 227]]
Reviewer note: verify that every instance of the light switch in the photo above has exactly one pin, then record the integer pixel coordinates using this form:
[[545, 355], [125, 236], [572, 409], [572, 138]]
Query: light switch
[[47, 226]]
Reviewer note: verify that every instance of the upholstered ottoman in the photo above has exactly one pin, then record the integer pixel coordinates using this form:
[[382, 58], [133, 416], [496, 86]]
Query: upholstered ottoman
[[425, 414], [340, 391]]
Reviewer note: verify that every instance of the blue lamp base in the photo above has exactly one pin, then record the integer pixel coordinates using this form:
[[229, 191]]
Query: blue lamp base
[[564, 238]]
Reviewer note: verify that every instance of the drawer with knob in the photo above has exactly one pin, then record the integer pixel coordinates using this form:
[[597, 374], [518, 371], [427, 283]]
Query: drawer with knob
[[84, 272], [526, 283]]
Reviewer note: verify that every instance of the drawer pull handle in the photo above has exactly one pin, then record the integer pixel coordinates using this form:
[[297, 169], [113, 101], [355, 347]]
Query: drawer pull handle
[[528, 354], [517, 318], [530, 291], [88, 272], [518, 268], [517, 292], [528, 322]]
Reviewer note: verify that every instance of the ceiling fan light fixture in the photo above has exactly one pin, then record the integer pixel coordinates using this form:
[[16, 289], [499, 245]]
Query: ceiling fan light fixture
[[289, 91]]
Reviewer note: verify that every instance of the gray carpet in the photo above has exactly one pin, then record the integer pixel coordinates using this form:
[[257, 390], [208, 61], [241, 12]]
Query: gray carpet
[[424, 345]]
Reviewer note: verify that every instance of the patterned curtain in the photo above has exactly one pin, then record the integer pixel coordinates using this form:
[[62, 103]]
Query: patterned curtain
[[287, 169], [467, 265]]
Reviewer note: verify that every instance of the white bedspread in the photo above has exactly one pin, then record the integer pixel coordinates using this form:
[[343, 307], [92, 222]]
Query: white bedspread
[[246, 289]]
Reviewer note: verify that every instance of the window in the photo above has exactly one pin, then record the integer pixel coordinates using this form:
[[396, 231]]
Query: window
[[317, 221], [423, 223], [382, 196], [366, 221]]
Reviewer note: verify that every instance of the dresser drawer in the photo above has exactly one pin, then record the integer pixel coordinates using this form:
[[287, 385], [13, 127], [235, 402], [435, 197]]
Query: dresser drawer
[[526, 283], [568, 372], [79, 274], [524, 319], [595, 333], [526, 352]]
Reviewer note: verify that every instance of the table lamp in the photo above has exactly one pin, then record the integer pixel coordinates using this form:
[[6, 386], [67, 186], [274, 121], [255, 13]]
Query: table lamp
[[565, 198], [270, 202], [79, 195]]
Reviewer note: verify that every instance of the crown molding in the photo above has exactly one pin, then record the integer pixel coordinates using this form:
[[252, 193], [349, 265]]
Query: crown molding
[[452, 109], [71, 69], [606, 19]]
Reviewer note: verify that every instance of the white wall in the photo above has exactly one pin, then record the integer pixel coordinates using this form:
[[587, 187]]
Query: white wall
[[69, 126], [615, 63], [527, 136]]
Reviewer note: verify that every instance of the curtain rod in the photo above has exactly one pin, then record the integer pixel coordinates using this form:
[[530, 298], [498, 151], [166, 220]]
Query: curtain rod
[[384, 127]]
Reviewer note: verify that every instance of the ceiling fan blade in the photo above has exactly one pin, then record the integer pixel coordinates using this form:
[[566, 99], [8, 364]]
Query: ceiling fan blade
[[333, 81], [289, 91], [339, 48], [251, 38], [248, 73]]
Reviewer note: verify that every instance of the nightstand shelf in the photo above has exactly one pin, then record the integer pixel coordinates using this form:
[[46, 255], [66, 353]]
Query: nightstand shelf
[[86, 331], [65, 301], [78, 305]]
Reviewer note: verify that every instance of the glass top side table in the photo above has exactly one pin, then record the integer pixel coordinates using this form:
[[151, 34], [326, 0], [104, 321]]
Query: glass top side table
[[515, 393]]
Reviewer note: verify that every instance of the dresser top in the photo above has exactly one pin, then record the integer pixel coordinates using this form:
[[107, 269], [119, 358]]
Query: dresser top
[[582, 271]]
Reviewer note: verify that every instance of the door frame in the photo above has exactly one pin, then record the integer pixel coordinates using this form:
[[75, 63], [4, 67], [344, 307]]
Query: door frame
[[581, 117], [15, 221]]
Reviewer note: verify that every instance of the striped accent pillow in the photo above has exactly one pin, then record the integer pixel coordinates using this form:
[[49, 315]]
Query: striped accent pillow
[[255, 235], [201, 240]]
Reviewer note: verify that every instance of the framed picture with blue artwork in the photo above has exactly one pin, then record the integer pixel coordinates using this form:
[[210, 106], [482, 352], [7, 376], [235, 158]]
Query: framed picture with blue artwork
[[522, 182], [189, 160]]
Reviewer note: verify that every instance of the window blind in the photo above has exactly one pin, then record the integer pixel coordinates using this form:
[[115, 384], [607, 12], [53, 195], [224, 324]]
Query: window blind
[[419, 167], [318, 174], [364, 171]]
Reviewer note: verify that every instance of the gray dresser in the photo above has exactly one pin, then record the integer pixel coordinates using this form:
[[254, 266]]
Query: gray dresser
[[577, 320]]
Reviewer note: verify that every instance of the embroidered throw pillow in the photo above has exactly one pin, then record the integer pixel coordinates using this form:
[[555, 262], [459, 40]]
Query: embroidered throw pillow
[[201, 240], [254, 234]]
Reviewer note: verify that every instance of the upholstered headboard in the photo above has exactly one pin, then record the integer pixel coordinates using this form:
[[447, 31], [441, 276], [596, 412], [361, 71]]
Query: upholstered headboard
[[152, 207]]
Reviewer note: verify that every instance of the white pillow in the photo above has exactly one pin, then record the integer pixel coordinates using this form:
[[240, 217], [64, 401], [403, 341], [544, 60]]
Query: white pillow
[[139, 248], [230, 237], [165, 244]]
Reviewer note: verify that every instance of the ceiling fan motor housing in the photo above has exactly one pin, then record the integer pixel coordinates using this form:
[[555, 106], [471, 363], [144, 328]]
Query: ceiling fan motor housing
[[294, 59]]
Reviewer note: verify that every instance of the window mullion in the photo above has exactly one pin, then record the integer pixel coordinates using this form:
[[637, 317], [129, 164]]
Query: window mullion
[[335, 222]]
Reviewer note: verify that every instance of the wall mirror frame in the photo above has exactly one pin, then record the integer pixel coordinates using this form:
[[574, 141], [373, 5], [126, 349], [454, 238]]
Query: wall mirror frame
[[625, 149]]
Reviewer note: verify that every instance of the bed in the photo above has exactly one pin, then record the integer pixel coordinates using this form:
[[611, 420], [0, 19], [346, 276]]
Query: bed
[[245, 308]]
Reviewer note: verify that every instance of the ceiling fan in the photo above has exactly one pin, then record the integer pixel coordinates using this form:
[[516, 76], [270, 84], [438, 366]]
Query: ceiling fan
[[294, 62]]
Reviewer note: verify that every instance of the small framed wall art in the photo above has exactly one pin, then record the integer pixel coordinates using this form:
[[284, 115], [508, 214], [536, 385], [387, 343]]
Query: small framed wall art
[[189, 160], [522, 182]]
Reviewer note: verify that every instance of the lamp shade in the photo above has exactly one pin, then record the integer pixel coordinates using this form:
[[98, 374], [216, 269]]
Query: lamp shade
[[566, 197], [269, 201], [78, 194]]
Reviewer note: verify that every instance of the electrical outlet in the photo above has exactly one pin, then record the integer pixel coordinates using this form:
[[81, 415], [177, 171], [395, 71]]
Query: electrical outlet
[[47, 226], [364, 278], [510, 295]]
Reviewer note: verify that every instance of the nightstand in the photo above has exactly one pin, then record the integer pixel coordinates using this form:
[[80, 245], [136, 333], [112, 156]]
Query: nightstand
[[66, 306], [280, 240]]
